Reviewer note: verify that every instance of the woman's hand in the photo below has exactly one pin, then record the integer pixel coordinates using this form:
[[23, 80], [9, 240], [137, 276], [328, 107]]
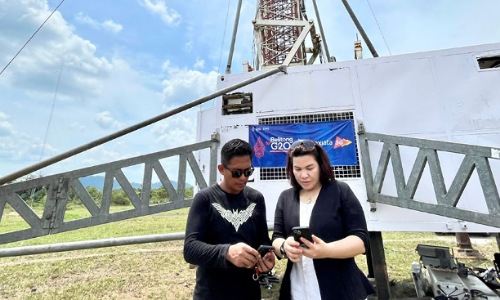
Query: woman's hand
[[316, 249], [293, 249], [347, 247]]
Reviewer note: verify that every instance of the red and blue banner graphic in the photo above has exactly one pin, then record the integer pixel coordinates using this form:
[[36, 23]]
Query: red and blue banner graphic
[[270, 143]]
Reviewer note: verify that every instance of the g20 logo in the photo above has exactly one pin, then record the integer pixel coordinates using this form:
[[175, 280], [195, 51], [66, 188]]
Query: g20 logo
[[280, 146]]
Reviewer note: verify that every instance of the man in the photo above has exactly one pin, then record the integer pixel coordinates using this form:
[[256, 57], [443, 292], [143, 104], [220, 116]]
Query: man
[[225, 226]]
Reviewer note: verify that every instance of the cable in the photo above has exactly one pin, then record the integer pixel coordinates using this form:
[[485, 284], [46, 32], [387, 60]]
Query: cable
[[379, 29], [51, 113], [223, 36], [36, 31]]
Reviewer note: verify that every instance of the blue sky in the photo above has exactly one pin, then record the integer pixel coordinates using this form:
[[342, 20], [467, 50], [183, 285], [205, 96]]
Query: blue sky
[[98, 66]]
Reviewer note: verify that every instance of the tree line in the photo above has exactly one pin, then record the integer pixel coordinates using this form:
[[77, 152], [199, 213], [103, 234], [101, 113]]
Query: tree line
[[38, 196]]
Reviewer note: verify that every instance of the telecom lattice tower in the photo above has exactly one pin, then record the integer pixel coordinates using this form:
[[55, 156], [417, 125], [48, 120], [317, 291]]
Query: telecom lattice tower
[[280, 29]]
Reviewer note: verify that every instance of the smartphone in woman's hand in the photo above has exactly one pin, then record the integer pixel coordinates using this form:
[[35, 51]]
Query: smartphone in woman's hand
[[302, 231]]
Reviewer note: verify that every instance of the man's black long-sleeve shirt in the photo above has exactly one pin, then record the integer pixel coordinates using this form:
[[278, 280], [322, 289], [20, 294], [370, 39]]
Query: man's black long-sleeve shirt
[[217, 220]]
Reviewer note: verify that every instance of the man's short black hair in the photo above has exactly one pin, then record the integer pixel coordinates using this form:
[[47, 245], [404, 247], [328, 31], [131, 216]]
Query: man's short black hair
[[235, 147]]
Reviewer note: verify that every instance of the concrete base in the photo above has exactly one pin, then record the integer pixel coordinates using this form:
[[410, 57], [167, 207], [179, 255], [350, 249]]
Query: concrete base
[[466, 253]]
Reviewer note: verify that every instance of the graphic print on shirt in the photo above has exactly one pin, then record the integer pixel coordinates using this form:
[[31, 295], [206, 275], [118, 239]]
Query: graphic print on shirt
[[235, 217]]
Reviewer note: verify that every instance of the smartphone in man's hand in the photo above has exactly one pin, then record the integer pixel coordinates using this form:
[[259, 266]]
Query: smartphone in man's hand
[[264, 249], [302, 231]]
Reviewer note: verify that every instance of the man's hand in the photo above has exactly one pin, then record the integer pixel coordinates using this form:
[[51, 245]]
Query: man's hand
[[266, 263], [242, 255]]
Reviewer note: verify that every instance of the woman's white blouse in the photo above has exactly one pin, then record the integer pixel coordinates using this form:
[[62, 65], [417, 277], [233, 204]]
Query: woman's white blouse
[[304, 284]]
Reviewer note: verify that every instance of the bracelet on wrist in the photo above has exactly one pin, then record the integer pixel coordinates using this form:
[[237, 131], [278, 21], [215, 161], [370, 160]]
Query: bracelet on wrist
[[282, 250]]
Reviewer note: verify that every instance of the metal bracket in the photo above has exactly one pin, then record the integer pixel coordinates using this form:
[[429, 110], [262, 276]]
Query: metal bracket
[[283, 68], [361, 128], [55, 206]]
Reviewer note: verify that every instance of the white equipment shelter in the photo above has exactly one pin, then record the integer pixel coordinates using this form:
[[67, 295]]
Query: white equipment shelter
[[447, 95]]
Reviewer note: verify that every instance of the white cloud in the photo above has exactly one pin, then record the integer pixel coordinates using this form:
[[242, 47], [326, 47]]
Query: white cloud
[[182, 83], [176, 130], [106, 121], [77, 126], [84, 19], [53, 50], [199, 64], [108, 25], [18, 146], [188, 46], [112, 26], [5, 126], [159, 7], [96, 94], [180, 87]]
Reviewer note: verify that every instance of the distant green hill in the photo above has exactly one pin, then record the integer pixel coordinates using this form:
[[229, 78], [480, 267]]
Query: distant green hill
[[98, 183]]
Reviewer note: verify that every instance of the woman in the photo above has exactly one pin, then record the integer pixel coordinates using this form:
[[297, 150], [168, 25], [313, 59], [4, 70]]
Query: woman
[[324, 268]]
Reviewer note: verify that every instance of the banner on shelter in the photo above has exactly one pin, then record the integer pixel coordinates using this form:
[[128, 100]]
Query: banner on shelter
[[270, 143]]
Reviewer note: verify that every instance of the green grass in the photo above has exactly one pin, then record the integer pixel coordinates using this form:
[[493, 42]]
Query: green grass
[[168, 222], [158, 270]]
